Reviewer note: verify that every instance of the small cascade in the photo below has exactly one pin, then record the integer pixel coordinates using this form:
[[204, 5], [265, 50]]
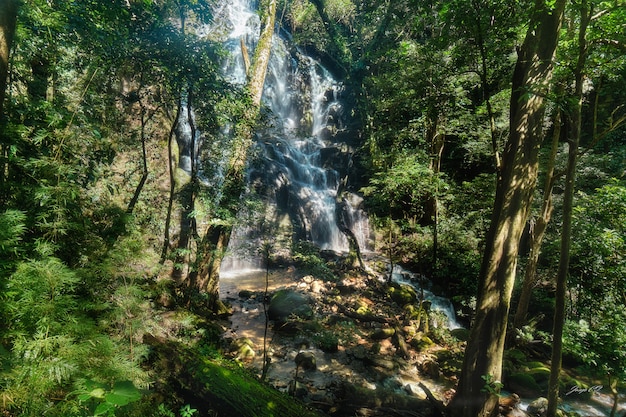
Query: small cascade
[[438, 303]]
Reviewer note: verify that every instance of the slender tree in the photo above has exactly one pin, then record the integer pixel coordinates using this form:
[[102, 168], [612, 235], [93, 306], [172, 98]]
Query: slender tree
[[575, 117], [483, 356], [538, 229], [217, 236], [8, 18]]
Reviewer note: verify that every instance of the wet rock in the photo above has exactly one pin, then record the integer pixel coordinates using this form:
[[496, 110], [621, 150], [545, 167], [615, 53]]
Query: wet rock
[[286, 303], [414, 390], [245, 294]]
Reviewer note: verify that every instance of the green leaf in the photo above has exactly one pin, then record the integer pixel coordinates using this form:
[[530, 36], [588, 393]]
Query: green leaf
[[104, 409], [123, 393]]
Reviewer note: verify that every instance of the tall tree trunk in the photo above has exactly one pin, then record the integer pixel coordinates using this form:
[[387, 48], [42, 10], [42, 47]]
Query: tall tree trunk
[[172, 185], [568, 202], [485, 348], [538, 231], [215, 241], [8, 20]]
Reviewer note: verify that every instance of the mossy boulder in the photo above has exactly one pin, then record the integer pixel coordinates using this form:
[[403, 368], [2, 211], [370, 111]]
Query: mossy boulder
[[288, 303], [402, 294], [421, 343], [382, 333], [522, 384], [460, 334]]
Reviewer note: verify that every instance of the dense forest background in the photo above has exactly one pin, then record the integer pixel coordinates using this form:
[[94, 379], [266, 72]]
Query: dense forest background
[[101, 233]]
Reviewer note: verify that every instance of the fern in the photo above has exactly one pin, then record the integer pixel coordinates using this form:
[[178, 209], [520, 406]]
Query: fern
[[12, 227]]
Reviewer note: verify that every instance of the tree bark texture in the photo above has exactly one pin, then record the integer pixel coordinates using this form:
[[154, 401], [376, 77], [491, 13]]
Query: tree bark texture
[[8, 20], [485, 348], [537, 232]]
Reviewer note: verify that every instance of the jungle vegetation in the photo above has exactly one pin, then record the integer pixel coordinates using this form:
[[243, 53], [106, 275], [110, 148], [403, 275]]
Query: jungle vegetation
[[490, 150]]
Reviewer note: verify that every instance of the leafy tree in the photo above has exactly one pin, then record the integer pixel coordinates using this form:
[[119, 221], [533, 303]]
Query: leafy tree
[[484, 352]]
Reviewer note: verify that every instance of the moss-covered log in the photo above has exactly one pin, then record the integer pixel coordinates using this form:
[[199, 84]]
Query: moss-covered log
[[219, 385]]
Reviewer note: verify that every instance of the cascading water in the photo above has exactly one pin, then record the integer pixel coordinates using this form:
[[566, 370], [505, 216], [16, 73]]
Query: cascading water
[[295, 169], [437, 303]]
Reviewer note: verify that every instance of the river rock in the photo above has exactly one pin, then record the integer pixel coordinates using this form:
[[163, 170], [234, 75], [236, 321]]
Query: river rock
[[430, 368], [538, 408], [306, 361], [286, 303]]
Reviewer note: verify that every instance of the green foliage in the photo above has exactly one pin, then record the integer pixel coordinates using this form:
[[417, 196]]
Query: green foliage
[[103, 400], [307, 256], [599, 345], [491, 386], [12, 230], [404, 188], [598, 264]]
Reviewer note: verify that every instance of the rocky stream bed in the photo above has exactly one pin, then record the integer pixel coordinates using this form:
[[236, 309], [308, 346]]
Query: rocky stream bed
[[359, 346]]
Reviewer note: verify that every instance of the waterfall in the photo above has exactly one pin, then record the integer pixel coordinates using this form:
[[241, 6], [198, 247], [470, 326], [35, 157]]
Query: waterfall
[[438, 303], [297, 166]]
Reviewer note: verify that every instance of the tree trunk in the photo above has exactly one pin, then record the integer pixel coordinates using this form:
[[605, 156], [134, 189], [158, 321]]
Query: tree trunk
[[144, 161], [172, 191], [215, 241], [537, 232], [568, 199], [8, 20], [485, 348]]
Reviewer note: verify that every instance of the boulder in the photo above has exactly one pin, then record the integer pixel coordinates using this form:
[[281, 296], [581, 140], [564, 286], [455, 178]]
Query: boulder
[[523, 383], [538, 408], [306, 360], [402, 294], [382, 333], [287, 303]]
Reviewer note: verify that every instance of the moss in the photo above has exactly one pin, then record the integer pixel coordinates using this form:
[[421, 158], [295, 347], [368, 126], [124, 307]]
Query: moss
[[219, 384], [523, 384], [230, 384], [402, 294]]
